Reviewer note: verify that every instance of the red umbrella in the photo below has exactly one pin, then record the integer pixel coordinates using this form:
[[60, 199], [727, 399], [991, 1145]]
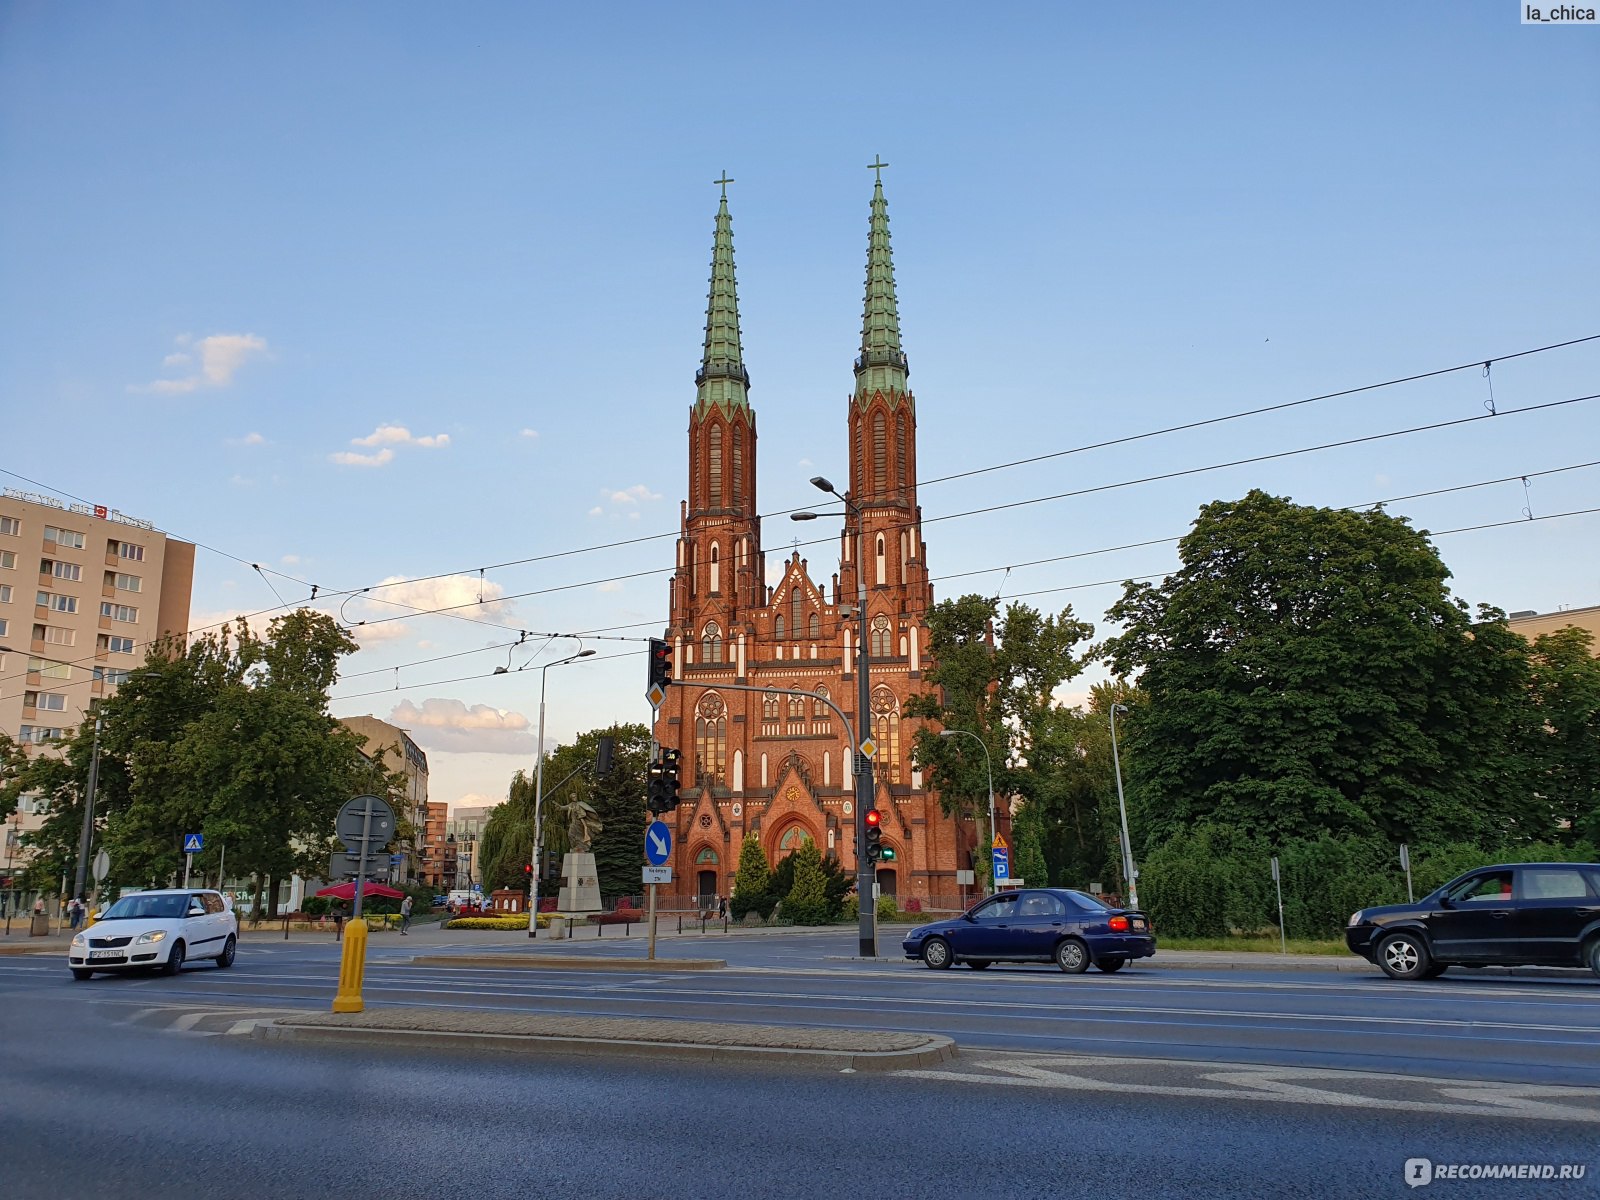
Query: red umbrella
[[347, 891]]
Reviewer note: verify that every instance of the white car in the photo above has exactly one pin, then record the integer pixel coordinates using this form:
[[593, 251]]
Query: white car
[[162, 929]]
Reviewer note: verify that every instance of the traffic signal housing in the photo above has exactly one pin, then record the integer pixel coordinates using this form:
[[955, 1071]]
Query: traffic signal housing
[[660, 664], [662, 789], [874, 820]]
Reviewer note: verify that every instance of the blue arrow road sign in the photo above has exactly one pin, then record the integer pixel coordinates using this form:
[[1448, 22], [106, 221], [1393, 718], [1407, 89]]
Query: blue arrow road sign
[[192, 842], [657, 843], [1002, 863]]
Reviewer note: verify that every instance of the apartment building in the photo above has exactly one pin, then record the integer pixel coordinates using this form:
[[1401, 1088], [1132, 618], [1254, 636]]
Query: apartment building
[[84, 591], [464, 830], [399, 754]]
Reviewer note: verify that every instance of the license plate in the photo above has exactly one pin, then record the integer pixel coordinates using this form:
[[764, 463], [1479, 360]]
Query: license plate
[[1137, 923], [107, 953]]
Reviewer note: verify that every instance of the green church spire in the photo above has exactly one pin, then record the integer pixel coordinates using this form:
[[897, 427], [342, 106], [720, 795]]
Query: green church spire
[[722, 380], [883, 366]]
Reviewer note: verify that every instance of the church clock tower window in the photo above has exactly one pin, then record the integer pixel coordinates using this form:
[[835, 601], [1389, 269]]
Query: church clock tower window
[[713, 642], [714, 447], [711, 742], [716, 568], [880, 456], [879, 647], [883, 568], [886, 726]]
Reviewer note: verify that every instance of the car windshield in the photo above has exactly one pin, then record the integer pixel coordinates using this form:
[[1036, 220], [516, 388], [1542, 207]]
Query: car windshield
[[131, 908], [1084, 900]]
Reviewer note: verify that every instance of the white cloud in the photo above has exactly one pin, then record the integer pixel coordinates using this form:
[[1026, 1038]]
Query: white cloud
[[611, 585], [290, 560], [530, 433], [347, 458], [383, 631], [241, 481], [220, 357], [457, 592], [399, 435], [451, 727], [806, 462], [597, 511], [249, 439], [632, 495]]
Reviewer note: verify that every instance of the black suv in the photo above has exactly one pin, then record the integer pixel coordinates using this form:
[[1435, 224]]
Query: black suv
[[1518, 914]]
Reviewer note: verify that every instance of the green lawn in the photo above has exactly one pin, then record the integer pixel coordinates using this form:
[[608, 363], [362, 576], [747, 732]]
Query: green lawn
[[1253, 945]]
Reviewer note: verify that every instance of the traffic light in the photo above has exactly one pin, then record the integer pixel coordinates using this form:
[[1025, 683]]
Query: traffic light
[[874, 835], [604, 755], [662, 791], [888, 854], [660, 664]]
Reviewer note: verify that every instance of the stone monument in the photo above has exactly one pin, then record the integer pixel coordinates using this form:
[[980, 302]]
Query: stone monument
[[580, 882]]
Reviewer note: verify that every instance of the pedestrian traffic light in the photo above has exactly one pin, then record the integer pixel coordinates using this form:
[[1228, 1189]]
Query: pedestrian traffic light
[[888, 854], [660, 664], [874, 820]]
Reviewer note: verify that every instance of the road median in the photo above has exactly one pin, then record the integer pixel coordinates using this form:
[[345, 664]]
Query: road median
[[569, 962], [699, 1041]]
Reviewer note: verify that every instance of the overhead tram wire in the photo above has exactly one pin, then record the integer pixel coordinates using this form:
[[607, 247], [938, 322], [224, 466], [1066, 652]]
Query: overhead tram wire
[[1125, 440]]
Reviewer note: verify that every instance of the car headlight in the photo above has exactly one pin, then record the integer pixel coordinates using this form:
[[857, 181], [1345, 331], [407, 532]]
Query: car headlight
[[78, 940], [158, 935], [1355, 918]]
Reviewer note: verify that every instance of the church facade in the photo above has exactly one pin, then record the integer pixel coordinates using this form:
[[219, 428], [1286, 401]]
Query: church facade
[[766, 762]]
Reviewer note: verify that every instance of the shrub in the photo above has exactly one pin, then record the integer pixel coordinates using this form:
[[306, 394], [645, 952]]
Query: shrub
[[621, 916], [888, 910], [508, 921], [314, 906]]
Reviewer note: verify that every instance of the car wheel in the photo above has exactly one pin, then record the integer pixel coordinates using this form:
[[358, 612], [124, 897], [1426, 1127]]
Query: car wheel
[[174, 962], [1435, 970], [1109, 965], [229, 949], [82, 973], [936, 953], [1072, 956], [1592, 957], [978, 964], [1403, 956]]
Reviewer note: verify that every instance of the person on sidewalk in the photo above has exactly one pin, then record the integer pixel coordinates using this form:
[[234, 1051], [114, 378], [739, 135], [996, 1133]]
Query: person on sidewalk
[[405, 914], [722, 908], [75, 911]]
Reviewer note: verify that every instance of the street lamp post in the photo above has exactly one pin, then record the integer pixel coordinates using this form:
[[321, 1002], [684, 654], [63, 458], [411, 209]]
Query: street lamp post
[[538, 795], [865, 879], [1129, 876], [988, 766]]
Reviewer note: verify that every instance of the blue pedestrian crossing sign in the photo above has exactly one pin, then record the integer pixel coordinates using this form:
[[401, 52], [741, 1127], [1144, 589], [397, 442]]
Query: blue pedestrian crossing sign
[[192, 843], [657, 843]]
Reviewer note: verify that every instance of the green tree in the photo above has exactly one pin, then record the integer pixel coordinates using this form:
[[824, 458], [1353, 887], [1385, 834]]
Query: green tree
[[13, 760], [1308, 672], [807, 901], [750, 884], [994, 678], [1028, 853], [1565, 689]]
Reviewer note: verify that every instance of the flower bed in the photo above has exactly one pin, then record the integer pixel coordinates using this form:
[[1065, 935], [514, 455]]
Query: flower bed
[[507, 922]]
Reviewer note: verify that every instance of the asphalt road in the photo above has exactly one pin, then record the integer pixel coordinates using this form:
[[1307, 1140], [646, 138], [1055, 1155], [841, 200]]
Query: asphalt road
[[1540, 1030], [96, 1103]]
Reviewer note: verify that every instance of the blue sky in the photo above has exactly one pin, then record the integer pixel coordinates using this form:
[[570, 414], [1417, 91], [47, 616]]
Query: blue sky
[[251, 248]]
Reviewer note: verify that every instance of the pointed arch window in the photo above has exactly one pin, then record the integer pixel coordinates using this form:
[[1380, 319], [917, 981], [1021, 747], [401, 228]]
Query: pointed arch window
[[796, 596], [711, 638], [738, 465], [714, 449], [819, 706], [777, 627], [711, 742], [900, 450], [769, 706], [797, 709], [861, 453], [880, 454], [883, 568], [716, 567], [886, 728], [881, 633], [814, 628]]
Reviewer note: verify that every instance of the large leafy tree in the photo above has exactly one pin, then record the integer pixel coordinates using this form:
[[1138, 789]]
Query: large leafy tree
[[1308, 672], [993, 677], [1565, 687]]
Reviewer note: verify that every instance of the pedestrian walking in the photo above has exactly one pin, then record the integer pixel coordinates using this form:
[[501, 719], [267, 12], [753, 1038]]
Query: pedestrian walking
[[722, 908], [75, 911], [405, 914]]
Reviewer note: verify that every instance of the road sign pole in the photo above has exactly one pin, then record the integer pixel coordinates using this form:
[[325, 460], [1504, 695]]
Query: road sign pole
[[1283, 936], [188, 861], [353, 963], [651, 954]]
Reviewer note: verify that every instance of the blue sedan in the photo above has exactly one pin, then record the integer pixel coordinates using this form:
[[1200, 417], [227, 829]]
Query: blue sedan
[[1071, 929]]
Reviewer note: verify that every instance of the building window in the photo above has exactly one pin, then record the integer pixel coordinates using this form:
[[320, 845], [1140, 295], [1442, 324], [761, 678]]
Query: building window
[[8, 560], [815, 628], [880, 453], [57, 603], [716, 568], [711, 741], [119, 645], [712, 639], [5, 593], [879, 646], [797, 708], [738, 465], [64, 537], [819, 708], [777, 627], [115, 676], [71, 572], [4, 625], [119, 612], [900, 449], [769, 706], [883, 573], [886, 727], [54, 635], [39, 734], [795, 598], [45, 701], [10, 525], [128, 583], [49, 669], [130, 551], [714, 448]]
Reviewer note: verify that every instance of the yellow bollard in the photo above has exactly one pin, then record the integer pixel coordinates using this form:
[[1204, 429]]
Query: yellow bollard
[[352, 967]]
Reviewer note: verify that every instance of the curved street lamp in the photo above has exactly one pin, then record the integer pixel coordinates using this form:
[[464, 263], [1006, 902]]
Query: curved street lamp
[[988, 766], [1130, 877]]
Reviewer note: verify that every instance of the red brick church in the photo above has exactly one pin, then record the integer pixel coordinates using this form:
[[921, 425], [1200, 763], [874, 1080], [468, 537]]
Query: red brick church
[[776, 765]]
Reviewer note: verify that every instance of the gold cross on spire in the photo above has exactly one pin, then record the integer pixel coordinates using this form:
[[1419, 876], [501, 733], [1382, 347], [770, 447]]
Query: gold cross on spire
[[877, 164], [724, 182]]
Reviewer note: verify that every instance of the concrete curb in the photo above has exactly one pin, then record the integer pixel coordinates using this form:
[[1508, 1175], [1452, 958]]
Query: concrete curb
[[937, 1049], [568, 962]]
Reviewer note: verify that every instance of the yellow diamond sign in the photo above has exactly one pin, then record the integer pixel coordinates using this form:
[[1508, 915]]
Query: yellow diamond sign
[[869, 748], [656, 694]]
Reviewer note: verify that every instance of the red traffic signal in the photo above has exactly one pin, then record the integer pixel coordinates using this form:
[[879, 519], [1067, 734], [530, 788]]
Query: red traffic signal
[[874, 818], [527, 868]]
